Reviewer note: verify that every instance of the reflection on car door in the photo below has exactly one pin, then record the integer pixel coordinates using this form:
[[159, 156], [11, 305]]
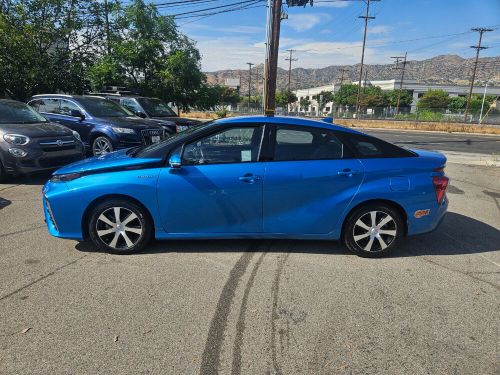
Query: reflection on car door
[[310, 181], [218, 189]]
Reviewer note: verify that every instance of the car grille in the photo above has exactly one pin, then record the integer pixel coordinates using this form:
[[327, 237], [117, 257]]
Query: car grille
[[57, 144], [148, 134]]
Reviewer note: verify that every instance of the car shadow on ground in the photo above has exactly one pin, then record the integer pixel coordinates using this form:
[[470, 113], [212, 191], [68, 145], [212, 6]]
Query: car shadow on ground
[[4, 202], [458, 234]]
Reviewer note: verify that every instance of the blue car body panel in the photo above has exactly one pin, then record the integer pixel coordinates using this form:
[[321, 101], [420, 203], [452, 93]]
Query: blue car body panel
[[264, 199]]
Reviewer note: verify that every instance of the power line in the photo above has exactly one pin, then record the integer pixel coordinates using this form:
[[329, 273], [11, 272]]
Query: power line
[[481, 31]]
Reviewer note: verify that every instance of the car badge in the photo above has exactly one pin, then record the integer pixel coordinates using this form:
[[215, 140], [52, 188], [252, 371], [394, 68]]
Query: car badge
[[419, 213], [59, 142]]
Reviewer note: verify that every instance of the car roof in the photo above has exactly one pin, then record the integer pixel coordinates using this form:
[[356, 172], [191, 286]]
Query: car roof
[[10, 101], [62, 96], [286, 120]]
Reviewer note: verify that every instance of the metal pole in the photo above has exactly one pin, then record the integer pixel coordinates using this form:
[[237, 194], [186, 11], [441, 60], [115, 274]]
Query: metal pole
[[482, 104]]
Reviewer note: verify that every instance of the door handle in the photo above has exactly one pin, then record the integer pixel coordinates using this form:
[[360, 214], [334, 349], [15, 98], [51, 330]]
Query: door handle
[[348, 172], [250, 178]]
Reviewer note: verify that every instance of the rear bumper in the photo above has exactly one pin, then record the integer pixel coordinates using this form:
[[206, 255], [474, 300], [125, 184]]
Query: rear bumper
[[429, 223]]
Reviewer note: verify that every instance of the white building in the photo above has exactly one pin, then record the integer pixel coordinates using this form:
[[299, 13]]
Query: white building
[[417, 89]]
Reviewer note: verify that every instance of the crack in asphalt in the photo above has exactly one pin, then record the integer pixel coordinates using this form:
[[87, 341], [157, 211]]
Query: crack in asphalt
[[211, 354], [41, 278]]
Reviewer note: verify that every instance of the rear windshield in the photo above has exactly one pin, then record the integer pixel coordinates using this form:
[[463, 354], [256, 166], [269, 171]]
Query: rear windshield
[[19, 113], [99, 107]]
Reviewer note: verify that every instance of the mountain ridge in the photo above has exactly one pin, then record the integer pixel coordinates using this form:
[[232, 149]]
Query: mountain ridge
[[443, 69]]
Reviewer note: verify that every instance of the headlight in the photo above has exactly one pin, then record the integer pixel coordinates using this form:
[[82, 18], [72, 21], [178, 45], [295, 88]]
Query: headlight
[[18, 152], [123, 130], [65, 177], [77, 136], [16, 139]]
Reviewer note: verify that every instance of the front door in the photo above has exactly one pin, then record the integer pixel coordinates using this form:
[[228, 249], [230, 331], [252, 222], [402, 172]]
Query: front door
[[218, 188], [309, 183]]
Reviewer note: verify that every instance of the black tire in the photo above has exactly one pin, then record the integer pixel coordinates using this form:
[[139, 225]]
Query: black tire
[[368, 240], [127, 235], [102, 145]]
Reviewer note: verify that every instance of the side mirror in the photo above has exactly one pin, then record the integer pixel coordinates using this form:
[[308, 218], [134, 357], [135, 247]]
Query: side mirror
[[141, 114], [175, 161], [77, 113]]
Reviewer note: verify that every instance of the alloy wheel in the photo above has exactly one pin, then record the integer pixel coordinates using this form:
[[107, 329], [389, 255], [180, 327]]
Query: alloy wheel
[[119, 228], [374, 231], [102, 146]]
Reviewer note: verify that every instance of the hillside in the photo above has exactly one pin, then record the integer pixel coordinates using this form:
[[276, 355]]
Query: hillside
[[440, 69]]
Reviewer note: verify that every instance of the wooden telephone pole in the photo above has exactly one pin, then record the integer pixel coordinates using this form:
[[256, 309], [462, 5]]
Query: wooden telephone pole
[[366, 18], [481, 31], [272, 58], [398, 59], [290, 59]]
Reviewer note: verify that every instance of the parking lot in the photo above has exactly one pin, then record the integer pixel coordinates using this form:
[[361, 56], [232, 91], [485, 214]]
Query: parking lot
[[254, 307]]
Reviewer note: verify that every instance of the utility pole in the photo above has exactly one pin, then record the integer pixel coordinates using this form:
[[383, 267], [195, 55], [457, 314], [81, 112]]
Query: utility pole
[[272, 58], [106, 20], [398, 59], [342, 71], [366, 18], [366, 75], [249, 83], [478, 48], [290, 59]]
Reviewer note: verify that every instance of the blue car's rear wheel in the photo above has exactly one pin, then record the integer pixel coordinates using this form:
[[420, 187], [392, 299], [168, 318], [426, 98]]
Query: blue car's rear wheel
[[120, 227], [373, 230]]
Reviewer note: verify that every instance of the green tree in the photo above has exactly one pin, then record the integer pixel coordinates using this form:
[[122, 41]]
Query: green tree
[[284, 98], [372, 96], [457, 103], [346, 95], [323, 98], [434, 100], [304, 103], [405, 99], [46, 46]]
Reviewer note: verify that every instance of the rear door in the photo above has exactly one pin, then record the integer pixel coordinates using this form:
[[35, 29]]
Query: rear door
[[309, 181]]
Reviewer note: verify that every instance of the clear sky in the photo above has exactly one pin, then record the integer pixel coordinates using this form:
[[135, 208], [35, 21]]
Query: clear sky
[[330, 32]]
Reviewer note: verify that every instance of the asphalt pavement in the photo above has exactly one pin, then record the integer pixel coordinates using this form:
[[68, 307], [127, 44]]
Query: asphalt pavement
[[255, 307]]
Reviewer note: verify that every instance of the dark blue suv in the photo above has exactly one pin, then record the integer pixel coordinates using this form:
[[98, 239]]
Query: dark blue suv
[[103, 125]]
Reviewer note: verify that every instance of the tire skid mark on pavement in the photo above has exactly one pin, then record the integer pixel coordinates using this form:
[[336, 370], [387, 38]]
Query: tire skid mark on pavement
[[23, 231], [10, 187], [240, 324], [275, 288], [211, 354], [51, 273]]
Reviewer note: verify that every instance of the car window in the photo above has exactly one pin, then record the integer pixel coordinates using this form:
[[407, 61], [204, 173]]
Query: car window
[[18, 113], [100, 107], [131, 105], [47, 105], [235, 145], [156, 107], [307, 144], [67, 107], [371, 147]]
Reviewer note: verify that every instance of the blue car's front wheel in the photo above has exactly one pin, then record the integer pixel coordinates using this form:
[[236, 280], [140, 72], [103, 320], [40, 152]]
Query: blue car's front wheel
[[120, 227]]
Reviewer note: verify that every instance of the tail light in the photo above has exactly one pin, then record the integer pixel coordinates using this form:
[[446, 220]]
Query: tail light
[[440, 184]]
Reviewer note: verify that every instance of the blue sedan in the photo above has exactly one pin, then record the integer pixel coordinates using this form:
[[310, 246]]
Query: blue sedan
[[251, 177]]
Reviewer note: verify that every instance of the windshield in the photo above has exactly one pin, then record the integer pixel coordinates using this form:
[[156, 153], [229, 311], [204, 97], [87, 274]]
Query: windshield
[[99, 107], [156, 107], [152, 150], [19, 113]]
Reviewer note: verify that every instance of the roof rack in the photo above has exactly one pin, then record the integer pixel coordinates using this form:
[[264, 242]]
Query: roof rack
[[61, 95]]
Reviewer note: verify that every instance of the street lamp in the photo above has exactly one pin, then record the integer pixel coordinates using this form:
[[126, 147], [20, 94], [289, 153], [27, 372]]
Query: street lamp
[[482, 104]]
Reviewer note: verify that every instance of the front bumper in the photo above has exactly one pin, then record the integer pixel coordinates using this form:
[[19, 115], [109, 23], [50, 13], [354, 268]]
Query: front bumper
[[38, 159]]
